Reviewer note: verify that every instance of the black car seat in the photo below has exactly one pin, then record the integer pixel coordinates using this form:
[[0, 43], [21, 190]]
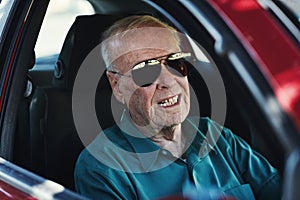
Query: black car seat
[[54, 139]]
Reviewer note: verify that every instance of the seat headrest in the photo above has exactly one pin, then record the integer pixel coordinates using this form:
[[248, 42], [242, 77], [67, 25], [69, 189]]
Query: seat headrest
[[84, 35]]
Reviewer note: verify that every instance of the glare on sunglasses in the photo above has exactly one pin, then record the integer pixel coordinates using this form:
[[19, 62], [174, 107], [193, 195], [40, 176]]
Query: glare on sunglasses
[[146, 72]]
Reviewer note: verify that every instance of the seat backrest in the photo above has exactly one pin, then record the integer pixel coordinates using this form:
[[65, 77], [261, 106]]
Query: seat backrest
[[55, 144]]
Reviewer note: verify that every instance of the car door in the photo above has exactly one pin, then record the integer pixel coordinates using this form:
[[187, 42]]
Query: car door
[[20, 23]]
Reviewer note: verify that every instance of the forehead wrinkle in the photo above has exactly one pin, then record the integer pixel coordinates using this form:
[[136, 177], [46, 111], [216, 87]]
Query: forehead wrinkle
[[142, 38]]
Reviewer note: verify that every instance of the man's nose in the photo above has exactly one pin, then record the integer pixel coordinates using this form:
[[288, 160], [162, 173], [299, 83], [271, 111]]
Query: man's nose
[[165, 78]]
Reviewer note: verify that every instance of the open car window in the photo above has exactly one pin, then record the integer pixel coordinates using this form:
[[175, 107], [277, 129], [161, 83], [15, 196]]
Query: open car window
[[58, 19]]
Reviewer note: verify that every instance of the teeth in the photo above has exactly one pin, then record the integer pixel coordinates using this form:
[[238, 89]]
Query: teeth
[[169, 102]]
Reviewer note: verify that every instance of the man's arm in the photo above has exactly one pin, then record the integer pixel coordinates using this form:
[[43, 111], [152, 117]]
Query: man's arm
[[254, 168], [96, 181]]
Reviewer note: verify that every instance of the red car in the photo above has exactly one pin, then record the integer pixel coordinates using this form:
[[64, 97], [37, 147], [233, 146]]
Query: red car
[[249, 81]]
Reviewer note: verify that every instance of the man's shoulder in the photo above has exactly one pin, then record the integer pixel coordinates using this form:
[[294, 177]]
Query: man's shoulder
[[103, 146], [106, 137], [212, 130], [206, 125]]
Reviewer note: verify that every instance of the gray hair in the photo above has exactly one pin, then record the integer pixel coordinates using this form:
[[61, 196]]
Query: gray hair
[[121, 27]]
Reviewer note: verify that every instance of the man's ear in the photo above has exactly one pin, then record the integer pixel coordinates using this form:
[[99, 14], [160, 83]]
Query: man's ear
[[113, 80]]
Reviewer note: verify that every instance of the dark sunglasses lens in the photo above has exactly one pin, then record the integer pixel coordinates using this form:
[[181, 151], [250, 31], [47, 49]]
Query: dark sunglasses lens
[[145, 76], [179, 67]]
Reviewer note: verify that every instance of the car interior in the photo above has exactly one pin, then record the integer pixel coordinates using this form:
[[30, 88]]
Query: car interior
[[47, 140]]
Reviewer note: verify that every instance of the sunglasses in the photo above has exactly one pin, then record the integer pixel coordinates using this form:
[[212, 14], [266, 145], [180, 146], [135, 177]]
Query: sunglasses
[[146, 72]]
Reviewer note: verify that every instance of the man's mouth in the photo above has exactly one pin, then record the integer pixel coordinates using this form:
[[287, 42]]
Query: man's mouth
[[169, 101]]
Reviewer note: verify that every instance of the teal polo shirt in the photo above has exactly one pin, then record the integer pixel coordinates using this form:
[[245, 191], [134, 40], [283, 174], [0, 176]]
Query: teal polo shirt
[[123, 164]]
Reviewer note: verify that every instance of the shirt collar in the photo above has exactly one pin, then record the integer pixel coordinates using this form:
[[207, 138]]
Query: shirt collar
[[203, 141], [148, 152]]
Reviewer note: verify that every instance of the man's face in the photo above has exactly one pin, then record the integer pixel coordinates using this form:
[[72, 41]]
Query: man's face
[[164, 103]]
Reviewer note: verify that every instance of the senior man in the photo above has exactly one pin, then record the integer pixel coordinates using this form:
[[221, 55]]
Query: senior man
[[156, 150]]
